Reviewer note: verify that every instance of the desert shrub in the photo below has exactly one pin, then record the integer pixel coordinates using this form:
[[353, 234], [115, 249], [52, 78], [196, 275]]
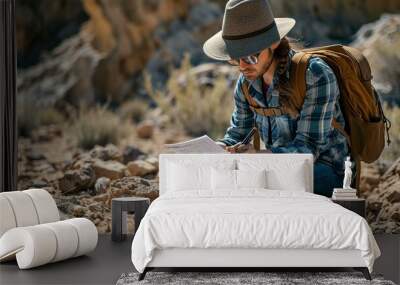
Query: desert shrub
[[96, 126], [50, 116], [134, 110], [197, 108], [30, 116], [27, 118]]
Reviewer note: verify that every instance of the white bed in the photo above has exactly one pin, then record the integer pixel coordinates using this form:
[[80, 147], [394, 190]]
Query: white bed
[[272, 226]]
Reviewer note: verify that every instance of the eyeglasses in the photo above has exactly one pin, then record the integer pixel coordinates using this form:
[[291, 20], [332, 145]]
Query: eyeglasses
[[251, 59]]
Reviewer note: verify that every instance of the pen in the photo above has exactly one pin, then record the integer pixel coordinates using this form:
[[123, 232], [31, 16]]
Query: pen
[[247, 139]]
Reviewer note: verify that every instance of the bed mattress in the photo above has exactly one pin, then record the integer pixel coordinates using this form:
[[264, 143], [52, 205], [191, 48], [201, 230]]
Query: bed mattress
[[250, 219]]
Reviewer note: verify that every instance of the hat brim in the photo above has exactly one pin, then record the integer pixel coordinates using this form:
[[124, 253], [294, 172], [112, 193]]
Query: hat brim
[[218, 48]]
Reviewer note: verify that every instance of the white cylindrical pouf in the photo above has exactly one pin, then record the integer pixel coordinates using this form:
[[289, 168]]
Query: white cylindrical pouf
[[66, 238], [36, 245], [45, 205], [24, 210], [7, 218], [87, 234]]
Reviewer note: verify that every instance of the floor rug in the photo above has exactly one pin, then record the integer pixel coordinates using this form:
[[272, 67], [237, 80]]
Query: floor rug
[[242, 278]]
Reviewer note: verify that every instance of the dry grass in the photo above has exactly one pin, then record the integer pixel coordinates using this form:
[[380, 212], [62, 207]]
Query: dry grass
[[392, 152], [97, 126], [134, 110], [30, 116], [197, 109]]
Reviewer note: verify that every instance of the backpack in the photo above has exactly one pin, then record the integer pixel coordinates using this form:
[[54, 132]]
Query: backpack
[[365, 122]]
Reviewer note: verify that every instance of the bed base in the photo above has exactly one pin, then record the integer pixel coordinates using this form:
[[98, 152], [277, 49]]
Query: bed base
[[363, 270], [246, 259]]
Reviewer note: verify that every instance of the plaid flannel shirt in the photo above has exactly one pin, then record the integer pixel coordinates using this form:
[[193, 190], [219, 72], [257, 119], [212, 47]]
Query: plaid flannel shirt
[[311, 132]]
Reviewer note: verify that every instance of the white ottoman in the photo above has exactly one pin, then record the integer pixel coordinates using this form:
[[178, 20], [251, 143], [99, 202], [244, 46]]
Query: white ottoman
[[31, 232]]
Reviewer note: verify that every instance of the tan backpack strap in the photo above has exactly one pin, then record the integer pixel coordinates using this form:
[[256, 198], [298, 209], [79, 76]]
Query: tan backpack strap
[[269, 112], [250, 100], [338, 127], [253, 106], [298, 69]]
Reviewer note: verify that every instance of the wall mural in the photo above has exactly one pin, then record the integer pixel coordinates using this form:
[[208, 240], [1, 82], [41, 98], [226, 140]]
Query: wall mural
[[103, 85]]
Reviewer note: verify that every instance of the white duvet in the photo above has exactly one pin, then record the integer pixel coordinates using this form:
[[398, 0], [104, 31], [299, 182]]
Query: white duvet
[[250, 219]]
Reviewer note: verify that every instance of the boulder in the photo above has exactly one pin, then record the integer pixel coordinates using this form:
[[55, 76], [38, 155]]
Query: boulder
[[110, 169], [145, 129], [379, 41], [77, 179], [131, 153], [108, 152], [383, 202], [134, 186], [141, 168]]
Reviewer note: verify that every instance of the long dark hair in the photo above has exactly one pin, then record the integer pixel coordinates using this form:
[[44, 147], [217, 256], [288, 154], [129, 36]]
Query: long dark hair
[[281, 53]]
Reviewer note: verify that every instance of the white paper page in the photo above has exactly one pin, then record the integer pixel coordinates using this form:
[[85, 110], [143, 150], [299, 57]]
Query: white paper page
[[203, 144]]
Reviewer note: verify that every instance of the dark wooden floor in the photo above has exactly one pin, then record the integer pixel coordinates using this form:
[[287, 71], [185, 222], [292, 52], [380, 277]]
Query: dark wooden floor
[[102, 266], [110, 260]]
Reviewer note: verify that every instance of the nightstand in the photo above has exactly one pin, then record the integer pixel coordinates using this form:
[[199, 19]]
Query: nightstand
[[356, 205], [120, 208]]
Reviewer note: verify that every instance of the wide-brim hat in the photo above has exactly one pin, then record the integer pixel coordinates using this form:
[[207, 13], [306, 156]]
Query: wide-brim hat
[[248, 27]]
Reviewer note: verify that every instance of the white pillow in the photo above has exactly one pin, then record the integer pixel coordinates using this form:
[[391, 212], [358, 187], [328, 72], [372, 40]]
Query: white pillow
[[186, 175], [223, 179], [281, 174], [292, 179], [251, 178], [231, 180], [182, 177]]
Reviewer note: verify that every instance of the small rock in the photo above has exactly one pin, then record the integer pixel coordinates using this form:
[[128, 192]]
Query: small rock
[[101, 198], [109, 152], [78, 211], [145, 129], [39, 183], [35, 155], [54, 130], [95, 207], [101, 185], [133, 186], [110, 169], [78, 179], [396, 216], [394, 197], [41, 135], [141, 168], [153, 161], [131, 153]]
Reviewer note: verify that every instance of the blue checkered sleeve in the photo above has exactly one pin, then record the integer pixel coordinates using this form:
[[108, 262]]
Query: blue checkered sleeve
[[314, 124], [242, 119]]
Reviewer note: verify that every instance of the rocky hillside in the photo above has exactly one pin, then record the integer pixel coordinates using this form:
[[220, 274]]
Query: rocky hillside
[[102, 47], [107, 56], [329, 21], [74, 52], [381, 188], [380, 43]]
